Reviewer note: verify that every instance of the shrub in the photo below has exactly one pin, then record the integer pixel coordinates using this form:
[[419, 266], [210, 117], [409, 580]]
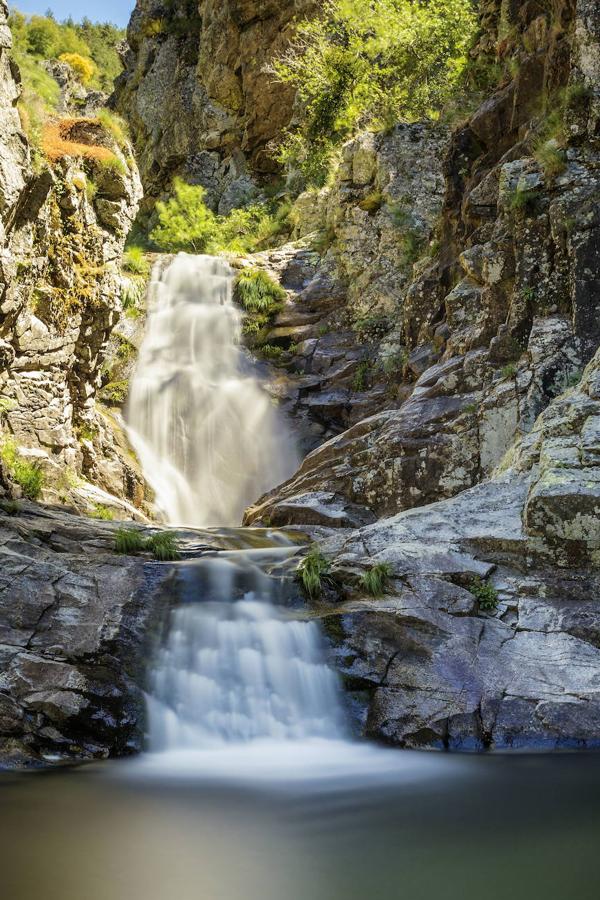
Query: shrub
[[83, 66], [313, 569], [258, 292], [185, 222], [524, 199], [115, 393], [370, 63], [509, 370], [28, 475], [486, 594], [376, 579]]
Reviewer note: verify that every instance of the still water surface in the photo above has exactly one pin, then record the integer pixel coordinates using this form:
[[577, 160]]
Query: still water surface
[[390, 825]]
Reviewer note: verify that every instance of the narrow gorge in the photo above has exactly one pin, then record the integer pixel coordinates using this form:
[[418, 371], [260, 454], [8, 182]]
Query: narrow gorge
[[284, 403]]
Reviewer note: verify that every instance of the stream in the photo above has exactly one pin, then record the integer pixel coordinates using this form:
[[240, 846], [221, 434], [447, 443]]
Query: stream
[[252, 785]]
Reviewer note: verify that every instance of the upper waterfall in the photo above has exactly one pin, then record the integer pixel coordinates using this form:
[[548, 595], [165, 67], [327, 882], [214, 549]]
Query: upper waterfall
[[208, 437]]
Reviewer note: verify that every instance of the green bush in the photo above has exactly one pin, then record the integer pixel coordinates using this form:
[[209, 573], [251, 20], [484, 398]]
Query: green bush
[[28, 475], [185, 223], [486, 594], [103, 513], [258, 292], [312, 571], [376, 579], [370, 63]]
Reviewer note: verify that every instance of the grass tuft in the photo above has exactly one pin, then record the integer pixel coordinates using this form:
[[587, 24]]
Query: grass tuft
[[258, 292], [486, 594], [162, 545], [375, 581], [313, 569]]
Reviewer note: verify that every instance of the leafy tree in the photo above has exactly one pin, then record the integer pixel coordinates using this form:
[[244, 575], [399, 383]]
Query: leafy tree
[[370, 63], [185, 222]]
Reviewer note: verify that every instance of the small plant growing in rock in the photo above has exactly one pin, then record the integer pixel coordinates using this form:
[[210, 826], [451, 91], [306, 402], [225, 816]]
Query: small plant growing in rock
[[164, 547], [375, 581], [258, 292], [103, 513], [372, 203], [129, 541], [573, 379], [509, 370], [486, 594], [135, 261], [524, 200], [361, 377], [550, 157], [9, 507], [28, 475], [313, 569]]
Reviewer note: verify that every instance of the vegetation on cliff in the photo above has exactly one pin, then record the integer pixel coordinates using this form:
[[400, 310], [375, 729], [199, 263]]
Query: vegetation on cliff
[[370, 64]]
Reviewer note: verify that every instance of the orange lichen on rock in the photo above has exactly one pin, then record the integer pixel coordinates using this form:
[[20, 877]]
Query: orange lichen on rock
[[75, 137]]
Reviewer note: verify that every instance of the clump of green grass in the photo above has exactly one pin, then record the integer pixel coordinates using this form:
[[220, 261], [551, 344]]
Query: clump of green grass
[[312, 571], [361, 377], [258, 292], [104, 513], [115, 126], [271, 351], [129, 541], [524, 200], [486, 594], [28, 475], [9, 507], [135, 261], [550, 157], [375, 581], [163, 545], [509, 370], [372, 203]]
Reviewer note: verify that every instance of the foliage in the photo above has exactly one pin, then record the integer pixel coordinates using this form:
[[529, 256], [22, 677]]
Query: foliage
[[42, 37], [59, 140], [185, 223], [550, 157], [370, 63], [10, 507], [486, 594], [115, 393], [258, 292], [84, 68], [375, 580], [271, 351], [7, 405], [509, 370], [135, 261], [115, 126], [26, 474], [313, 569], [361, 376], [162, 545], [103, 513], [523, 199], [129, 541]]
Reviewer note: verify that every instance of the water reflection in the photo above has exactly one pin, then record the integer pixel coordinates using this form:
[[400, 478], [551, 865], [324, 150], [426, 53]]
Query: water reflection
[[437, 826]]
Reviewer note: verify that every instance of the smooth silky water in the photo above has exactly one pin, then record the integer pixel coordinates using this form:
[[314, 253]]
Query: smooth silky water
[[252, 786]]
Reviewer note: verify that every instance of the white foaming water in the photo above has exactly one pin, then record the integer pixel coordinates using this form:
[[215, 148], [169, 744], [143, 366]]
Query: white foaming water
[[233, 670], [208, 437]]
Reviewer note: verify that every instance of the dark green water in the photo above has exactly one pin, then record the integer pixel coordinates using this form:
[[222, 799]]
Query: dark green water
[[431, 826]]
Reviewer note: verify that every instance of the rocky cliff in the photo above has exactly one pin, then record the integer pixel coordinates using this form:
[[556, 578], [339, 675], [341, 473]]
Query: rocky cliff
[[199, 95], [63, 224]]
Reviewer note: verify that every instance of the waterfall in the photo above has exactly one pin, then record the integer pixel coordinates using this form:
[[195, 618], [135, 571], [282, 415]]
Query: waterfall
[[208, 437], [233, 669]]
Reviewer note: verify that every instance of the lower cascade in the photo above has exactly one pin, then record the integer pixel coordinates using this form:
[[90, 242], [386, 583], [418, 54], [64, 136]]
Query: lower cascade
[[208, 437], [234, 670]]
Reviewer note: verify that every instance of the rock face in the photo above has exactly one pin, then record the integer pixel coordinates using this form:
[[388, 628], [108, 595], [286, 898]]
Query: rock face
[[75, 621], [483, 465], [198, 93], [62, 231]]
